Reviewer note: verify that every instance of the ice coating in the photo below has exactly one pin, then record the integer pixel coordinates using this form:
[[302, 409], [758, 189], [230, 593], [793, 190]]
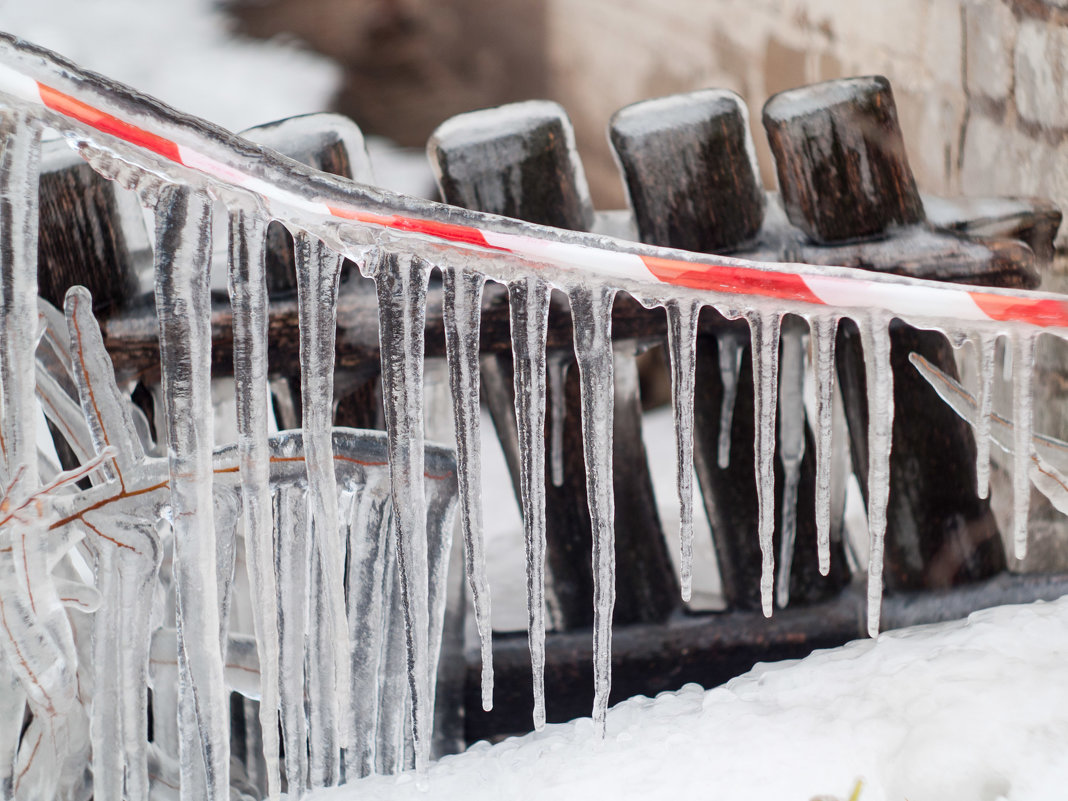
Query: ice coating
[[248, 296], [402, 285], [591, 309], [823, 329], [764, 331], [463, 315], [682, 352], [528, 303], [318, 273], [183, 249], [875, 337], [1023, 365], [985, 352], [791, 445]]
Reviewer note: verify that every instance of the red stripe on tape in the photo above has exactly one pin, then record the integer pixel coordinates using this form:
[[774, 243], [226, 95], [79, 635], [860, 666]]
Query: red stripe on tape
[[737, 280], [1044, 313], [65, 104], [440, 230]]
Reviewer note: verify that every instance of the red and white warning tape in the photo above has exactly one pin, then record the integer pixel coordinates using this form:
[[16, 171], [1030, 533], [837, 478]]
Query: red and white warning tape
[[843, 288]]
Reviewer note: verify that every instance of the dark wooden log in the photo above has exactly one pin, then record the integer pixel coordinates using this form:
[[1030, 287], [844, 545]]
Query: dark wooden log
[[80, 236], [711, 649], [941, 533], [693, 183], [1031, 220], [844, 176], [132, 335], [731, 499], [334, 144], [520, 160], [328, 142], [690, 170], [841, 159]]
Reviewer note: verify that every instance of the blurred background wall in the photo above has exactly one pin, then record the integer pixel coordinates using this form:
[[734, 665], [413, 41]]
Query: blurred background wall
[[980, 84]]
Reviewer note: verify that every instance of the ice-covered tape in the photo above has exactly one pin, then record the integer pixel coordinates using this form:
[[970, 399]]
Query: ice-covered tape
[[946, 301]]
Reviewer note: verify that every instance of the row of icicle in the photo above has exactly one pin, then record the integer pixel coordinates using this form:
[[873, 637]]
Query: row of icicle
[[183, 248]]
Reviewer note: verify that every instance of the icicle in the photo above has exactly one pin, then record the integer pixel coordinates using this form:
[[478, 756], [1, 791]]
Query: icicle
[[137, 576], [318, 272], [731, 345], [791, 445], [1023, 365], [248, 296], [324, 766], [291, 517], [528, 302], [402, 285], [107, 734], [372, 545], [558, 363], [591, 311], [682, 339], [463, 310], [764, 330], [823, 330], [19, 166], [875, 339], [986, 349], [183, 253]]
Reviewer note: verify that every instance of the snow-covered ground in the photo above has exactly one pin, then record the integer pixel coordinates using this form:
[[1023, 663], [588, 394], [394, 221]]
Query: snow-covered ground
[[966, 711]]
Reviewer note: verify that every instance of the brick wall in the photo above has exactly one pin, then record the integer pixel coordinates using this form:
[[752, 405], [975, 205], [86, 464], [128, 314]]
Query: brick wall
[[980, 84]]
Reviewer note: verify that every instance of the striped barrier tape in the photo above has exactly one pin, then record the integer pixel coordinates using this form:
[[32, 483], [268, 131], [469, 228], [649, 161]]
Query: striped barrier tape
[[843, 287]]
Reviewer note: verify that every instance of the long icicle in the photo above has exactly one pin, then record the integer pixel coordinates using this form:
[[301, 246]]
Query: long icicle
[[19, 166], [987, 349], [682, 340], [791, 445], [1023, 365], [823, 329], [248, 296], [875, 340], [528, 302], [462, 311], [591, 311], [183, 255], [318, 273], [764, 331], [402, 286]]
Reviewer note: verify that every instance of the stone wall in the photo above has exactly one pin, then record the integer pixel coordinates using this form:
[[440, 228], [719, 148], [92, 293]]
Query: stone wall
[[980, 84]]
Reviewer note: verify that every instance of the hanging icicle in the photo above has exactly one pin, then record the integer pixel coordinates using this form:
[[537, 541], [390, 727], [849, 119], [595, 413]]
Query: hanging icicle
[[682, 320], [528, 302], [463, 315]]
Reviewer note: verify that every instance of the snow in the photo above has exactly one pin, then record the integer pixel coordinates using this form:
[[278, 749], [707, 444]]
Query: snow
[[912, 715], [181, 52]]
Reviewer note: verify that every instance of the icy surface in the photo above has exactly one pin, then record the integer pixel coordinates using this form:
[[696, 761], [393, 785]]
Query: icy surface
[[953, 712]]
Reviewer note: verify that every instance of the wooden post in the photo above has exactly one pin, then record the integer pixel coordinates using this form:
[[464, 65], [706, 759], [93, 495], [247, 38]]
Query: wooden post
[[845, 176], [693, 183], [518, 160], [334, 144], [80, 235]]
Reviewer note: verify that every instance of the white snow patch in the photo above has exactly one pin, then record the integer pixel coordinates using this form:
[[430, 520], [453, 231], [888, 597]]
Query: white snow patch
[[182, 52], [975, 710]]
